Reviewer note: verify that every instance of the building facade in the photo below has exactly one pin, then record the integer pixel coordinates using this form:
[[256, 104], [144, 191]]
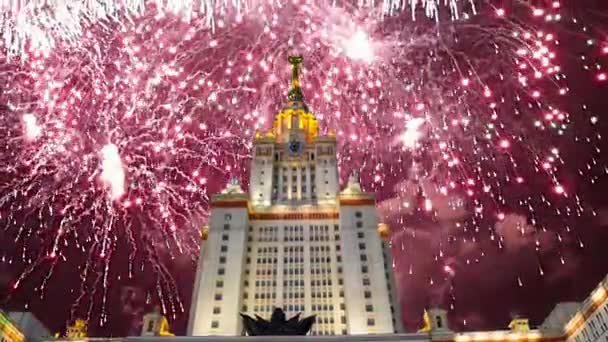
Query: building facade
[[295, 240], [590, 322]]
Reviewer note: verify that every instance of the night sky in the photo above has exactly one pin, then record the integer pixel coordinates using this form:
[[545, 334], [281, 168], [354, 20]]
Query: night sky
[[485, 293]]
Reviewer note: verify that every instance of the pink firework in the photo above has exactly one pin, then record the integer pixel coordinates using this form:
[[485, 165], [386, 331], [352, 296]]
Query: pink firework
[[115, 132]]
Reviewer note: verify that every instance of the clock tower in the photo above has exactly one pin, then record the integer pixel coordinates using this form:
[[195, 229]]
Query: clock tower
[[292, 163]]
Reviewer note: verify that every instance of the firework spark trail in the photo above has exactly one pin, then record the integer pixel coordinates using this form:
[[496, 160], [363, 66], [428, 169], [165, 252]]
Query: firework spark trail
[[113, 173], [180, 101], [44, 24]]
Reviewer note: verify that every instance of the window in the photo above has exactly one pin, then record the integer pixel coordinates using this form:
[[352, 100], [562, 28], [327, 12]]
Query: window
[[359, 224], [363, 257], [360, 235], [215, 324], [358, 214], [225, 237], [218, 296], [221, 271], [217, 310], [366, 281], [343, 320], [222, 260], [364, 269], [342, 306], [371, 322], [367, 294], [244, 308], [369, 308], [224, 248], [226, 226], [361, 245], [439, 322], [219, 283]]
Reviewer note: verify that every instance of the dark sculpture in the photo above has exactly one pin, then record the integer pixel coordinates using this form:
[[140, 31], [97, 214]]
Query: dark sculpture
[[277, 325]]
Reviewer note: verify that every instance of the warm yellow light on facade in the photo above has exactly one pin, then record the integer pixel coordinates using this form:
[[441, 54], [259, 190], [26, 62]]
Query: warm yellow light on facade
[[204, 233], [599, 296], [384, 231]]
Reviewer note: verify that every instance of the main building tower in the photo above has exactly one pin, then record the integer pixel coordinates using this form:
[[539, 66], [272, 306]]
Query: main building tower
[[295, 240]]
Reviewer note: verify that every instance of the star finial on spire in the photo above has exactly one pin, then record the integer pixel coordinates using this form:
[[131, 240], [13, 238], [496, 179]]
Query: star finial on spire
[[295, 93]]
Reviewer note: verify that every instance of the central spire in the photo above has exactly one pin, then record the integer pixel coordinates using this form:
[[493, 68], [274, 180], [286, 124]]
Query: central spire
[[295, 119], [295, 93]]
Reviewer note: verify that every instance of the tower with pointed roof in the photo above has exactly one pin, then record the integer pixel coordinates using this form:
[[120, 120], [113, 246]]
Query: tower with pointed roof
[[295, 240]]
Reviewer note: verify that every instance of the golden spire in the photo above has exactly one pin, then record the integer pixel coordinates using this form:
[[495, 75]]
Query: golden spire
[[295, 93]]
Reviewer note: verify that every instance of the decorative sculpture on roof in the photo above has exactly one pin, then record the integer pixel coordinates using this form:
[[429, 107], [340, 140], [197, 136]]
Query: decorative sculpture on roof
[[353, 178], [77, 330], [426, 323], [353, 186], [155, 324], [233, 187], [278, 324]]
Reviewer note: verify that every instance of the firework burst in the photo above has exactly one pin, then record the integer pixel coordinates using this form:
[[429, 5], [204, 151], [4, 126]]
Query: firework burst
[[121, 120]]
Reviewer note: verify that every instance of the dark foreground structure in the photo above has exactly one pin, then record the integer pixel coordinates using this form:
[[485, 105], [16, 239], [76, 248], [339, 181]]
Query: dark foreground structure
[[278, 324]]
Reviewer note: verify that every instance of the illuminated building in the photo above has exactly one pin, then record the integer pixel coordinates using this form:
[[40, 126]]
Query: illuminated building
[[295, 240], [590, 323]]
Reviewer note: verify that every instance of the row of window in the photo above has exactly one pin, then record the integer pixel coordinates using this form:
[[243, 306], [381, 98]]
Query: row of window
[[259, 283], [596, 326], [319, 282], [313, 229]]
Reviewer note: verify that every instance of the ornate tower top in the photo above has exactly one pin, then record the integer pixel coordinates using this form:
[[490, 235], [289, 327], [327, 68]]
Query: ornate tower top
[[295, 119]]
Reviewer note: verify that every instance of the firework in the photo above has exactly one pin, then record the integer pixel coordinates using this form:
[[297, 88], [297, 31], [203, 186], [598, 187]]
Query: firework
[[120, 120]]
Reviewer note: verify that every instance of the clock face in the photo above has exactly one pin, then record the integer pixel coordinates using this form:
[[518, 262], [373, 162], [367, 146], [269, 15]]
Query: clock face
[[295, 147]]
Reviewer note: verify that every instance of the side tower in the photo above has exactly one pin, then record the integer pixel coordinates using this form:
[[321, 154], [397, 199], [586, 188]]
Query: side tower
[[373, 303], [217, 288]]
